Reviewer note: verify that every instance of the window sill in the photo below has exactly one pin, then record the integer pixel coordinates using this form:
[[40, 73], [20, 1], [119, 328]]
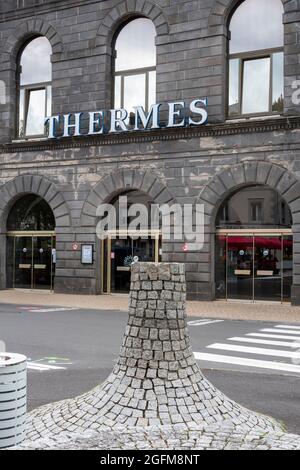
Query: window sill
[[29, 139], [265, 117]]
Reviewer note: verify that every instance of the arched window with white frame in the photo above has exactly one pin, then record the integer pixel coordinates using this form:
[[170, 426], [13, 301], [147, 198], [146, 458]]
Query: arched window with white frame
[[35, 77], [135, 65], [256, 61]]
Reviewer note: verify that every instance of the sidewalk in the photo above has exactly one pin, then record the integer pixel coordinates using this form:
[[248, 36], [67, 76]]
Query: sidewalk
[[218, 309]]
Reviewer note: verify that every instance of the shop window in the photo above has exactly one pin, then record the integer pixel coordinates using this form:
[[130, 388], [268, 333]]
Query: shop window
[[35, 77], [135, 65], [256, 75]]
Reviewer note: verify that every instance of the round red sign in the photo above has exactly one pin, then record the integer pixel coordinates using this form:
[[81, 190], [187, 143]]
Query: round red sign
[[75, 246]]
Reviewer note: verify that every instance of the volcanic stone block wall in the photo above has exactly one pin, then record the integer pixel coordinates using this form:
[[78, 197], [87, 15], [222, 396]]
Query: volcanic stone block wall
[[192, 40]]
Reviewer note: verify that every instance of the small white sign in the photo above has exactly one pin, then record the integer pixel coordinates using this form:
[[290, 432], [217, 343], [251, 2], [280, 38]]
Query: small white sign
[[135, 259], [87, 254]]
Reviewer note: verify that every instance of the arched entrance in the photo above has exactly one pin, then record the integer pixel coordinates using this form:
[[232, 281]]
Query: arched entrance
[[31, 255], [254, 246], [127, 244]]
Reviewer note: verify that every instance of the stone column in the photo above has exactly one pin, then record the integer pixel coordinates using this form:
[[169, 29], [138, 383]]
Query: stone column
[[156, 380]]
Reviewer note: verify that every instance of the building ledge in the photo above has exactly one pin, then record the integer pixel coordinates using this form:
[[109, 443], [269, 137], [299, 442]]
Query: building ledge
[[184, 133]]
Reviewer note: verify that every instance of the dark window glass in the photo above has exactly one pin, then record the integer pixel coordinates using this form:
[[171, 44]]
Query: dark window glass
[[35, 87], [256, 59], [122, 209], [254, 207], [32, 213], [135, 65]]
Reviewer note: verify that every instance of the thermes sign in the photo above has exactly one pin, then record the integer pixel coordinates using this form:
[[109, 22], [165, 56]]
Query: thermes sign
[[177, 114]]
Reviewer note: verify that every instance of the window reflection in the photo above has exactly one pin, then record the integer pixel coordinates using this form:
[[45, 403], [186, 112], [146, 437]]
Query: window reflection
[[254, 207], [35, 112], [35, 87], [256, 61], [135, 65], [255, 25], [277, 92], [256, 86]]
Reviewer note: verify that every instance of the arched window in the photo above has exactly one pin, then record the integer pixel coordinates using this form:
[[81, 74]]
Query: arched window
[[254, 207], [34, 87], [256, 58], [31, 213], [135, 65]]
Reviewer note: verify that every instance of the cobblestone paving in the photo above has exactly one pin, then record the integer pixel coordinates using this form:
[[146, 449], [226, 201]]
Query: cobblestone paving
[[216, 437], [156, 380]]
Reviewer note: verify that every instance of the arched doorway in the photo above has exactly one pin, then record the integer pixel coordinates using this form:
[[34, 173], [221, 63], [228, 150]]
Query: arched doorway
[[254, 246], [125, 245], [31, 255]]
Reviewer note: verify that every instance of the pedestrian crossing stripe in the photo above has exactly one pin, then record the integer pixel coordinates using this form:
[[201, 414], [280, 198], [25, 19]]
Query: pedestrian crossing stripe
[[286, 337], [52, 309], [265, 335], [286, 344], [288, 327], [253, 350], [274, 330], [241, 361], [203, 322], [43, 367]]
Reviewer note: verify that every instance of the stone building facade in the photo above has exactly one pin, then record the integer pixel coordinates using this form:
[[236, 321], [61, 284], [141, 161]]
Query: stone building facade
[[199, 164]]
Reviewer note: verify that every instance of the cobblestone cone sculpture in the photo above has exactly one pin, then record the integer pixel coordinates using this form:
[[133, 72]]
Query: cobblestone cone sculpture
[[156, 380]]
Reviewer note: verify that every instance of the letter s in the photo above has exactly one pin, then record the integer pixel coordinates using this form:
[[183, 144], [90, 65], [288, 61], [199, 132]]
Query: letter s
[[200, 111]]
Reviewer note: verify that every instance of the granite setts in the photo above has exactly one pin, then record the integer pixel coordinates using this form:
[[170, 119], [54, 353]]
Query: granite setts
[[156, 396], [213, 437]]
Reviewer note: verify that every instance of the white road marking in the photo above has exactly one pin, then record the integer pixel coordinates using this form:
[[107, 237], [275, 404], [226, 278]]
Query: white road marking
[[260, 351], [203, 322], [241, 361], [274, 330], [292, 327], [42, 367], [267, 342], [266, 335], [45, 310]]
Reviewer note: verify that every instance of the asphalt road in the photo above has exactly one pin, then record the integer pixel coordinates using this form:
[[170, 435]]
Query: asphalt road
[[71, 351]]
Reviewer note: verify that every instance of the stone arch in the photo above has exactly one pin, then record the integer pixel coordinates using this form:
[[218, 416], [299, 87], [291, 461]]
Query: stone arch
[[221, 9], [25, 184], [115, 183], [246, 174], [24, 32], [251, 173], [125, 10]]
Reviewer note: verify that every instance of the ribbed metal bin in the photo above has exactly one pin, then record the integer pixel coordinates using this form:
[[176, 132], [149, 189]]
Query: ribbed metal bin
[[13, 381]]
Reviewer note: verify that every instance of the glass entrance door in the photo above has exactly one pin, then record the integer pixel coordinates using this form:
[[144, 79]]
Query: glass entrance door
[[254, 267], [30, 261], [42, 262], [118, 255], [240, 267], [23, 262], [268, 274]]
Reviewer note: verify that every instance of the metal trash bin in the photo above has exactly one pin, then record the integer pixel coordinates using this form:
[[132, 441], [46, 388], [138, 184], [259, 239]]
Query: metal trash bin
[[13, 382]]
